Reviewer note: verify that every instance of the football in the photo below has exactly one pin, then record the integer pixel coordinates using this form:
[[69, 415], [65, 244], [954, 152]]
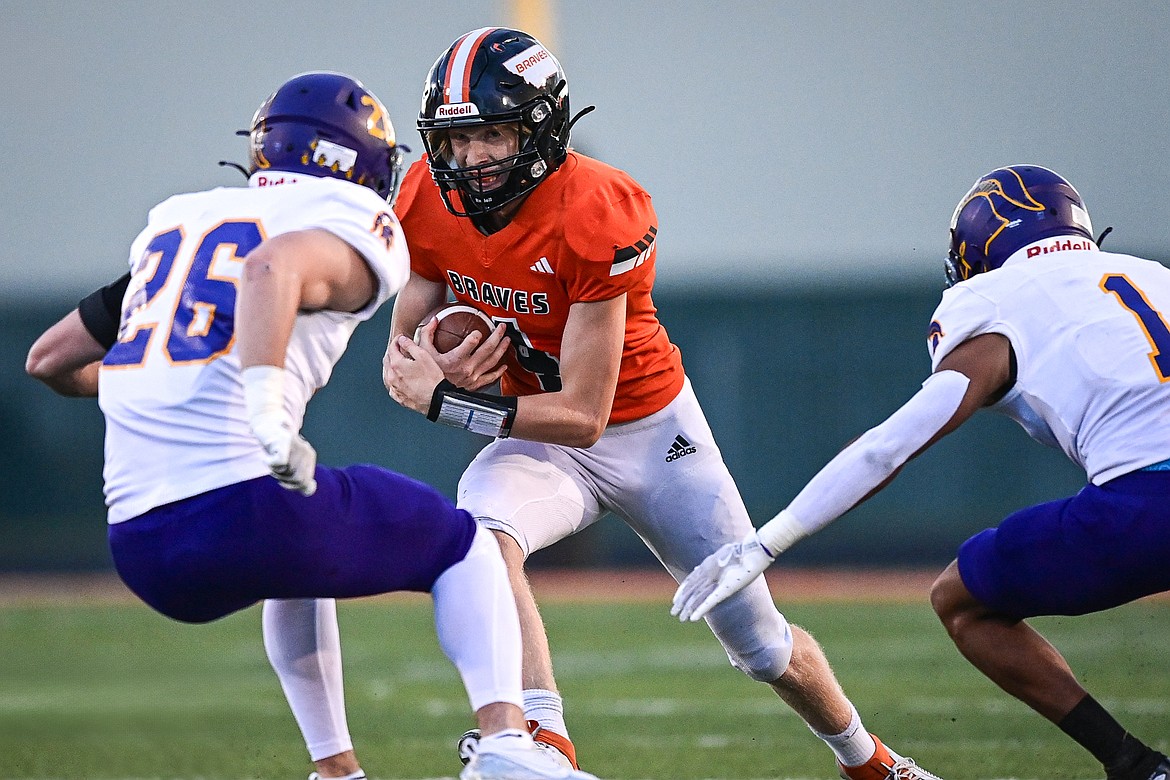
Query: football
[[456, 322]]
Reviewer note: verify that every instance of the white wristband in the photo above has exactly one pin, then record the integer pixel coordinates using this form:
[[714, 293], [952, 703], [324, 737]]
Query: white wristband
[[781, 532], [263, 390]]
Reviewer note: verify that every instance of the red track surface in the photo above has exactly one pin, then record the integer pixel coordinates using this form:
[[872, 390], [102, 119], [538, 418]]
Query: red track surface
[[587, 585]]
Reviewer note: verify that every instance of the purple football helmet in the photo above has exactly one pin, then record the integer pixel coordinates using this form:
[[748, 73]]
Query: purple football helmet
[[489, 76], [327, 124], [1007, 209]]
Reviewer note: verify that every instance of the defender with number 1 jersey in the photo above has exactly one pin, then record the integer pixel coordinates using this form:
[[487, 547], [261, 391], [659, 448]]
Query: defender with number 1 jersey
[[176, 425], [1092, 346], [585, 234]]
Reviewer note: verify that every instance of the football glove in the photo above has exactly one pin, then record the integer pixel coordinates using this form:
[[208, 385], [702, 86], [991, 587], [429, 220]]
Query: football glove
[[722, 574], [290, 458]]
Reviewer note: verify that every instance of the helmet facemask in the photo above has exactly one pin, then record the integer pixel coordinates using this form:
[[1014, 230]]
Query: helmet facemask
[[491, 76], [542, 146]]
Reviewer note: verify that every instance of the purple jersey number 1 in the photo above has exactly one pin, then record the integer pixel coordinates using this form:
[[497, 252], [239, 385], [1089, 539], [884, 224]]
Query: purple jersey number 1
[[1131, 297]]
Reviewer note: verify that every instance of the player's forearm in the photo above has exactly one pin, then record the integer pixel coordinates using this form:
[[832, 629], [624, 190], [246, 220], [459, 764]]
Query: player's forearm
[[75, 383], [418, 298], [548, 418], [869, 463], [66, 358]]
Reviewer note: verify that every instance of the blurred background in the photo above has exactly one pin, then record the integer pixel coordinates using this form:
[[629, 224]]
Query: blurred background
[[804, 160]]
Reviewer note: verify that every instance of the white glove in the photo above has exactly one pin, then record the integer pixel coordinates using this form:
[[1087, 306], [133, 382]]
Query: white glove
[[290, 458], [722, 574]]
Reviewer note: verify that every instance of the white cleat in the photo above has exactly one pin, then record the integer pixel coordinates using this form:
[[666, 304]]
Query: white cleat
[[470, 740], [516, 757], [906, 769]]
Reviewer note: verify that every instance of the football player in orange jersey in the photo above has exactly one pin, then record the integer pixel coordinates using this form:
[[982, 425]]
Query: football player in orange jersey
[[596, 413]]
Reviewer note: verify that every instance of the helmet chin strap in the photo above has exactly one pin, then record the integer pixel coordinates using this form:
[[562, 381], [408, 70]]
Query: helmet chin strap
[[579, 114], [237, 166]]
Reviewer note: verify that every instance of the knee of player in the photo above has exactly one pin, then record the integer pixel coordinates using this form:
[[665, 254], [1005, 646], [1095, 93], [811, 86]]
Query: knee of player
[[767, 661], [950, 599]]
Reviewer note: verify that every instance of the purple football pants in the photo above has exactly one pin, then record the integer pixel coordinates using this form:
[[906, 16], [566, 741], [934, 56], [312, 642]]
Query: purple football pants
[[1105, 546], [365, 531]]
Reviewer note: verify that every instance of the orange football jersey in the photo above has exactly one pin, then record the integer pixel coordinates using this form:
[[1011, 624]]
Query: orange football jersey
[[586, 233]]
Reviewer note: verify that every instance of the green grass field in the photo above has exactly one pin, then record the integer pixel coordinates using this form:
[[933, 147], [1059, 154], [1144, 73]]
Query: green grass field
[[114, 691]]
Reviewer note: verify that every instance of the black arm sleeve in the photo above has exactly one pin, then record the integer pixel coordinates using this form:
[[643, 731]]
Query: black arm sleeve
[[101, 311]]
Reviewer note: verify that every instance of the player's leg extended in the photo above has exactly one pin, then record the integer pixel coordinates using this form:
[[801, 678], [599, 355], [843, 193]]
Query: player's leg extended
[[478, 630], [1102, 548], [538, 671], [304, 647], [682, 500], [1006, 649], [531, 495]]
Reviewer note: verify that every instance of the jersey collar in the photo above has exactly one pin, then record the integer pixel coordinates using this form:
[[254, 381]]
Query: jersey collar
[[1051, 245]]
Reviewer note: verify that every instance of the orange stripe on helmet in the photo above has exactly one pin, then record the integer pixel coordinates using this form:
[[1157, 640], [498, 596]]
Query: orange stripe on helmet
[[459, 65]]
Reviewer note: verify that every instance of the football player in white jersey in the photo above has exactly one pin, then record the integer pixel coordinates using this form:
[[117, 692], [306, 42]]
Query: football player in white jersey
[[238, 303], [1073, 344]]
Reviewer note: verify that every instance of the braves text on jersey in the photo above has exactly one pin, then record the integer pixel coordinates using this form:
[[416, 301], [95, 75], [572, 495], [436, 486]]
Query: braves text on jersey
[[587, 233]]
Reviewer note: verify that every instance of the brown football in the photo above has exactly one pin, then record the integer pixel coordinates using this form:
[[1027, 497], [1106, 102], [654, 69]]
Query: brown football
[[456, 322]]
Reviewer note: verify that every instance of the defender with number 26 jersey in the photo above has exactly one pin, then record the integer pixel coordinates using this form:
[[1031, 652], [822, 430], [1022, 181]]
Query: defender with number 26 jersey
[[1092, 346], [605, 246], [176, 425]]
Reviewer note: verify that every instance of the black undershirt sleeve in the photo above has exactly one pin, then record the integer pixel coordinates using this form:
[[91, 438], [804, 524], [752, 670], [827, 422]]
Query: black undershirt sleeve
[[101, 311]]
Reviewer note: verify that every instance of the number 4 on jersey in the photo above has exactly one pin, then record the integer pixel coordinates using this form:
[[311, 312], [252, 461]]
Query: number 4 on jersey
[[546, 367]]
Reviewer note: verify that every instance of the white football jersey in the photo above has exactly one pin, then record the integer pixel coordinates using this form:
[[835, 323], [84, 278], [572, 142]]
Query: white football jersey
[[170, 388], [1089, 330]]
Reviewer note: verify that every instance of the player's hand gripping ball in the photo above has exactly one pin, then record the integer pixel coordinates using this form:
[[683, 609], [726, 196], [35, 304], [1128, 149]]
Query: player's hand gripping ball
[[457, 321]]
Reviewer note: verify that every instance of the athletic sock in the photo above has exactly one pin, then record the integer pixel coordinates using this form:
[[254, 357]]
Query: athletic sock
[[853, 746], [1094, 729], [546, 708]]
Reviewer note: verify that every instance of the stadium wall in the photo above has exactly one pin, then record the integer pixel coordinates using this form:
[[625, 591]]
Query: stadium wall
[[786, 380]]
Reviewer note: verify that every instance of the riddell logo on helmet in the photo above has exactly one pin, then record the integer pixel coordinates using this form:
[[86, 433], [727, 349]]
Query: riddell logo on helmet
[[1060, 246], [451, 110]]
